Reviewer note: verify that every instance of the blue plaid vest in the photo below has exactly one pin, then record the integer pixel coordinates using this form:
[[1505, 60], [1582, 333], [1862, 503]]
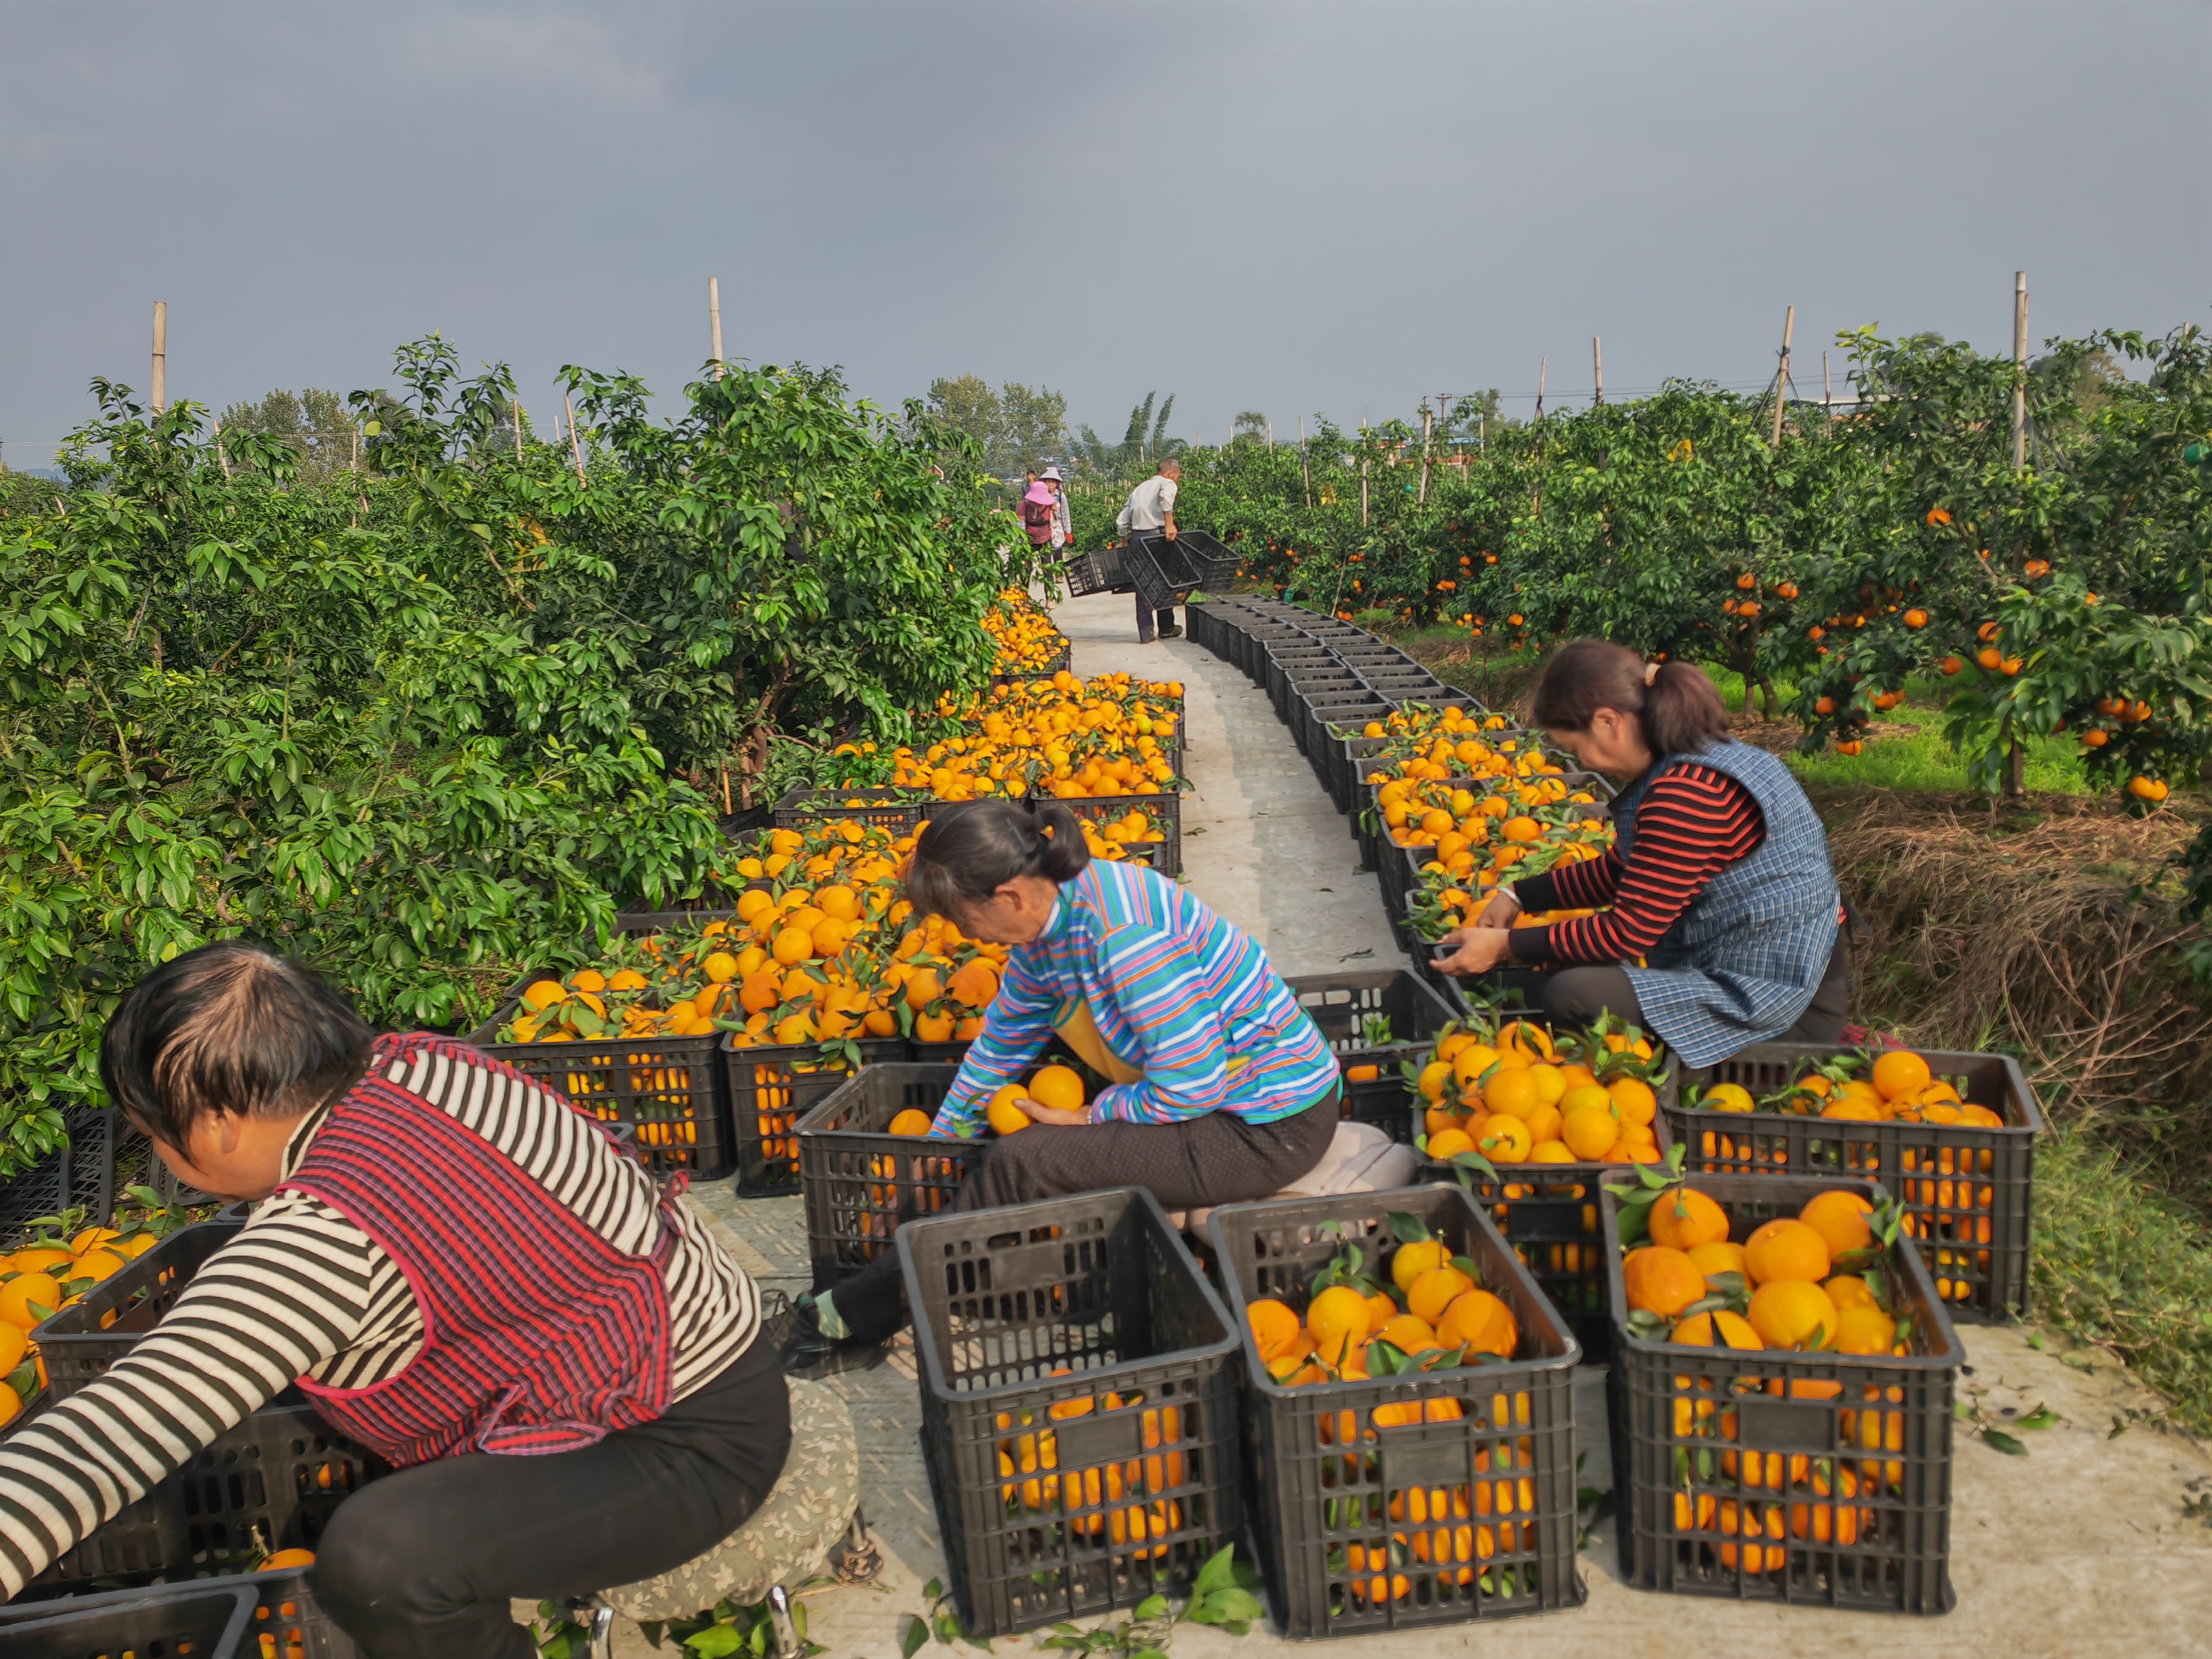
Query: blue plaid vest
[[1741, 964]]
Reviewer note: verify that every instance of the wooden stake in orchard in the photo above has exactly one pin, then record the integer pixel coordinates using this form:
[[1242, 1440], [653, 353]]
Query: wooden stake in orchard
[[2019, 370], [1597, 372], [1782, 373], [160, 355], [1428, 418], [1542, 363], [576, 447], [714, 317]]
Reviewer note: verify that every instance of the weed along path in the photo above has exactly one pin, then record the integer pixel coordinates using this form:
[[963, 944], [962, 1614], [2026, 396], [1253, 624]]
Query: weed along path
[[2080, 1547]]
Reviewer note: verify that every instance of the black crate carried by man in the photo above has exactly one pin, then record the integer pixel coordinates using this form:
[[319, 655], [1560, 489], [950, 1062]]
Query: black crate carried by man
[[1150, 512]]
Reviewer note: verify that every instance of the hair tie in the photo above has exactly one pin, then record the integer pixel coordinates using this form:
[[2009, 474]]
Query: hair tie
[[1651, 673]]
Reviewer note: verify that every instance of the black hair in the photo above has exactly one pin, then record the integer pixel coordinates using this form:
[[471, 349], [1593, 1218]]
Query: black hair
[[970, 851], [1678, 707], [229, 1027]]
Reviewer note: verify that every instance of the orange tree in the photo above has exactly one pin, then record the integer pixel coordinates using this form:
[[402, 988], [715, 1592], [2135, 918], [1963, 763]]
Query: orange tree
[[421, 724]]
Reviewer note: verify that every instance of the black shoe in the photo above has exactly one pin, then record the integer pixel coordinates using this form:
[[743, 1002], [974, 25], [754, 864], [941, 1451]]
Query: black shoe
[[797, 1332], [1170, 632]]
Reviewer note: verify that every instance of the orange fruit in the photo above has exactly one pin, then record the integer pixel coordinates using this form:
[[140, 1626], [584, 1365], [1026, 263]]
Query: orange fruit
[[1660, 1280], [97, 1265], [1551, 1152], [1840, 1218], [1582, 1095], [1726, 1098], [1900, 1072], [1787, 1249], [1514, 1093], [1408, 1334], [1434, 1076], [1004, 1112], [1479, 1320], [1275, 1326], [1057, 1086], [1865, 1330], [1544, 1124], [1550, 1084], [1337, 1317], [545, 992], [38, 1259], [721, 968], [1413, 1260], [1505, 1140], [793, 946], [1720, 1257], [1788, 1313], [1852, 1110], [1849, 1290], [15, 1343], [1449, 1144], [90, 1236], [287, 1561], [1590, 1131], [1633, 1097], [21, 1296], [911, 1122], [1382, 1309], [1685, 1218], [1722, 1329], [1437, 1290]]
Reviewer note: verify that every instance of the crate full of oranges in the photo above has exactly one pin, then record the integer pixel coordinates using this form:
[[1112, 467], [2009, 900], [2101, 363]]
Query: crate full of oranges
[[1781, 1392], [1409, 1412], [1529, 1123], [1950, 1136]]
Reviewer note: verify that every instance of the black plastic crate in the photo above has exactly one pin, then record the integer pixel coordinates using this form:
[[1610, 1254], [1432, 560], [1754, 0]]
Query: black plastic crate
[[1712, 1446], [274, 1481], [1079, 1402], [895, 809], [1502, 1464], [770, 1088], [861, 1182], [1968, 1194], [81, 1341], [1165, 811], [1550, 1214], [1096, 572], [1312, 713], [82, 1173], [207, 1618], [1166, 572], [1342, 1004], [1285, 670], [674, 1088]]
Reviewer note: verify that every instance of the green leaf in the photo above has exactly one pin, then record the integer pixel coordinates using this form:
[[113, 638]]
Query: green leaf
[[913, 1632], [719, 1642], [2004, 1442], [1408, 1228]]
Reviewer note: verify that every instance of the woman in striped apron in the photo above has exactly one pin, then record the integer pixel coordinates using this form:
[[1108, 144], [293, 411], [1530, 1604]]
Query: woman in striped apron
[[1222, 1089], [462, 1271], [1719, 922]]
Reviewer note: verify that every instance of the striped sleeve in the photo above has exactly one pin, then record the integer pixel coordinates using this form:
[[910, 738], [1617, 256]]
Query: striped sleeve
[[1158, 979], [1015, 1028], [1693, 822], [290, 1291]]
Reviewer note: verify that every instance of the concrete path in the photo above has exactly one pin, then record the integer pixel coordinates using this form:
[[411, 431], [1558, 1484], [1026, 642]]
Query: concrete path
[[2078, 1549]]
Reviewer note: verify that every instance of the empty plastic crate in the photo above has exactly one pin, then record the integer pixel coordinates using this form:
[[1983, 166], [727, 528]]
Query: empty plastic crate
[[206, 1618], [1079, 1400], [1373, 1022], [859, 1181]]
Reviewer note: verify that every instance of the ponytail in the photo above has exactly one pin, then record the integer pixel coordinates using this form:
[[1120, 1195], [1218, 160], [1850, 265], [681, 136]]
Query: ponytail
[[1674, 703], [971, 850]]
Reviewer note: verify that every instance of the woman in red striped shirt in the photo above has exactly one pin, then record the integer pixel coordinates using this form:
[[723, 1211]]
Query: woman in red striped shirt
[[1718, 915]]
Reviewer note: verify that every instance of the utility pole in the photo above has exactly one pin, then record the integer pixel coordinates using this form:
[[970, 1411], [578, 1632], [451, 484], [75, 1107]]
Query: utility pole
[[160, 355], [1305, 464], [1363, 492], [1782, 373], [1542, 363], [1828, 391], [1597, 371], [714, 317], [2019, 370], [1428, 426]]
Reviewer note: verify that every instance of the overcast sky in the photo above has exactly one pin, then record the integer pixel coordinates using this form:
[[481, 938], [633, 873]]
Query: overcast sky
[[1293, 207]]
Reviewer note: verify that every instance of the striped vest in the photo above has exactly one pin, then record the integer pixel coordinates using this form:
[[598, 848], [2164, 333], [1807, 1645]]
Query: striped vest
[[539, 1335], [1742, 962]]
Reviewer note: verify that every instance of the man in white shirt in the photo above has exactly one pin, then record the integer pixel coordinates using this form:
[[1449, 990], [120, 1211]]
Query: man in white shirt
[[1150, 512]]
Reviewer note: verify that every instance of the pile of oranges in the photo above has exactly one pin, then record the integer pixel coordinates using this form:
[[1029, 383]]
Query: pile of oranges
[[1430, 1315], [1508, 1094], [39, 1281], [1899, 1087], [1028, 642], [1411, 731], [1114, 1504], [1804, 1284], [1795, 1283], [1109, 736]]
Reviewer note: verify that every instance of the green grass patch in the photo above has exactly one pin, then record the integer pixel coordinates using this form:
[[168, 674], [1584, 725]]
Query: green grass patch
[[1923, 761], [2119, 1265]]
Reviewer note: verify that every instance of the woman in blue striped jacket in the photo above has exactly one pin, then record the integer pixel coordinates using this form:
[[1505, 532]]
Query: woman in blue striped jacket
[[1222, 1089]]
